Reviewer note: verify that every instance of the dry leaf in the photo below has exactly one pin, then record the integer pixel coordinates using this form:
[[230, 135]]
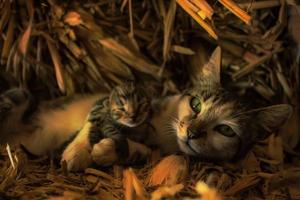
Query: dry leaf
[[182, 50], [290, 131], [57, 66], [25, 39], [202, 23], [26, 36], [73, 18], [275, 148], [9, 41], [166, 191], [133, 186], [243, 183], [98, 173], [235, 9], [171, 170], [135, 60], [206, 192], [68, 195], [168, 28], [250, 163]]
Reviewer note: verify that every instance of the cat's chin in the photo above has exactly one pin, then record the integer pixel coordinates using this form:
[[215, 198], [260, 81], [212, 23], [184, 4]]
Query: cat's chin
[[186, 148], [131, 124]]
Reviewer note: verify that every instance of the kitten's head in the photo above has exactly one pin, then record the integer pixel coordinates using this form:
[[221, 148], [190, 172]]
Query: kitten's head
[[213, 125], [130, 105]]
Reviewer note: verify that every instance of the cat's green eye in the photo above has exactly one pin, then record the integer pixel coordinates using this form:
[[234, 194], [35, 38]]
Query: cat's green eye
[[195, 104], [225, 130]]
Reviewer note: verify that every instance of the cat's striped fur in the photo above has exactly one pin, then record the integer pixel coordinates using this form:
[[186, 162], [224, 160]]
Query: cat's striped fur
[[209, 122]]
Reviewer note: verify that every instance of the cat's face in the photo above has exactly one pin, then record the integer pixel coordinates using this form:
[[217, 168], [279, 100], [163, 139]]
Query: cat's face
[[213, 125], [13, 102], [14, 106], [129, 105], [206, 127]]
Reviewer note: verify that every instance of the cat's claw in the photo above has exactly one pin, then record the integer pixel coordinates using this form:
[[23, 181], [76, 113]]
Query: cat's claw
[[104, 152]]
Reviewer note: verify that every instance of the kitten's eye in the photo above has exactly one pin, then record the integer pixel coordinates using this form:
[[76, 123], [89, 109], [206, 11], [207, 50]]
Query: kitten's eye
[[195, 104], [122, 109], [225, 130]]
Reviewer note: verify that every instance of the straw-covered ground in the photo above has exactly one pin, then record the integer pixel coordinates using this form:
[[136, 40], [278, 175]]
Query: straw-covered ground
[[66, 47]]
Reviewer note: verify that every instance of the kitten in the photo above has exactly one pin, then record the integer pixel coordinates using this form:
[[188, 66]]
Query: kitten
[[209, 122], [128, 106]]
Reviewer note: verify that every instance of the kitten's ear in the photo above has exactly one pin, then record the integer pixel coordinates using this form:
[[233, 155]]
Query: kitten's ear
[[212, 69], [272, 117]]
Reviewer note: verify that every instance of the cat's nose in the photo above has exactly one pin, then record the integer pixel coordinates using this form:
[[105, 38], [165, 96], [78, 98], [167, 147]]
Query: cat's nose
[[134, 117], [192, 135]]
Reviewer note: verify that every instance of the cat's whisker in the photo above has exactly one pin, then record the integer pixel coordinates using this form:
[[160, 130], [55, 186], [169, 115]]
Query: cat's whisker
[[173, 117]]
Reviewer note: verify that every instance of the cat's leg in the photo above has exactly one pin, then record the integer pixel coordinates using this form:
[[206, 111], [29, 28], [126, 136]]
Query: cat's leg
[[77, 155], [104, 152], [137, 151], [108, 152]]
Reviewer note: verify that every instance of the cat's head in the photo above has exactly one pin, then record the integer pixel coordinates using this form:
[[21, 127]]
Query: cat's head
[[15, 107], [212, 124], [130, 105], [13, 102]]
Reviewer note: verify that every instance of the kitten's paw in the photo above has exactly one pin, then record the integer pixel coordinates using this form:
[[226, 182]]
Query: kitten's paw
[[77, 157], [137, 151], [104, 152]]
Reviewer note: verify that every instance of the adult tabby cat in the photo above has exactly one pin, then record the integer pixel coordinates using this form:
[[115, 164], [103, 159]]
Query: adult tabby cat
[[209, 122], [205, 121]]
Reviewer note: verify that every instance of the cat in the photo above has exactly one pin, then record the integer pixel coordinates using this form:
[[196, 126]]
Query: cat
[[205, 121], [210, 123]]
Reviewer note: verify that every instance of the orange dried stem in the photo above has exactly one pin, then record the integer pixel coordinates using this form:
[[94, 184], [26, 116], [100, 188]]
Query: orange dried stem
[[235, 9], [132, 183], [204, 6], [207, 27], [128, 186], [56, 59]]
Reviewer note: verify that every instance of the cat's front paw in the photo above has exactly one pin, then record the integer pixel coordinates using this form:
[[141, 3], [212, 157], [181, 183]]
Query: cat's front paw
[[77, 156], [104, 152]]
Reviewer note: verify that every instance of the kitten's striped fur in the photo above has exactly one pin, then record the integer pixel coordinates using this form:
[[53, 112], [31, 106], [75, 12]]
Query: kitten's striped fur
[[127, 107]]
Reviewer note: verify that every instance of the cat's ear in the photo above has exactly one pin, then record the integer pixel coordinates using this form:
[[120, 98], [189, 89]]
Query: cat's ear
[[212, 69], [271, 118]]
